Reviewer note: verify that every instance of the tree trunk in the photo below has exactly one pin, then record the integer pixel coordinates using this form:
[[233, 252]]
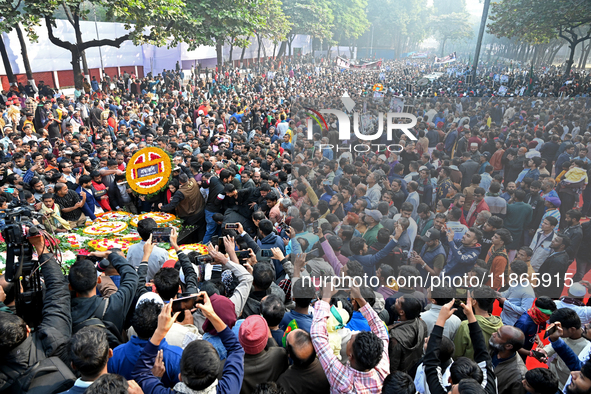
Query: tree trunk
[[82, 54], [551, 60], [535, 54], [443, 46], [85, 66], [571, 58], [313, 50], [21, 39], [218, 49], [586, 56], [242, 54], [289, 42], [78, 80], [6, 61], [274, 48], [282, 48], [259, 49], [231, 50], [521, 52]]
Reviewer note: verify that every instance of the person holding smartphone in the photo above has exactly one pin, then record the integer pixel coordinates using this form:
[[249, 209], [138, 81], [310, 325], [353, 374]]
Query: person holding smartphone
[[159, 255]]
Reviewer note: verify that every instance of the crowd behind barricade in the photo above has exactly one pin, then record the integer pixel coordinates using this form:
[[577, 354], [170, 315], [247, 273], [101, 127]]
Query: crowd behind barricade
[[482, 204]]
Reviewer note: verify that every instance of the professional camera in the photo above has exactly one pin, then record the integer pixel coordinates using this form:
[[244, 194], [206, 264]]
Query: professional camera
[[24, 271]]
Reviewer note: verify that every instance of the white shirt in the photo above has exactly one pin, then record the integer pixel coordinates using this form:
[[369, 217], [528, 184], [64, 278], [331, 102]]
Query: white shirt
[[28, 138], [584, 312], [421, 379]]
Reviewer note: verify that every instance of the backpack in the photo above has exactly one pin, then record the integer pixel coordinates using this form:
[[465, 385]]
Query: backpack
[[48, 376], [97, 319]]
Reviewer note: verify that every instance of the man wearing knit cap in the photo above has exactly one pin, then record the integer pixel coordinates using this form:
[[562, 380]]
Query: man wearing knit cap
[[224, 308], [262, 363], [368, 359], [474, 152]]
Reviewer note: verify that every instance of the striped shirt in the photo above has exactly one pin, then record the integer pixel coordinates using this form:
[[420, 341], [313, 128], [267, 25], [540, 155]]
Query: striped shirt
[[554, 213], [343, 378]]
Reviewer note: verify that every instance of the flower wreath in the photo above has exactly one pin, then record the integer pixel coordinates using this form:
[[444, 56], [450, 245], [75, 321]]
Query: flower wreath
[[159, 217], [149, 171], [103, 228]]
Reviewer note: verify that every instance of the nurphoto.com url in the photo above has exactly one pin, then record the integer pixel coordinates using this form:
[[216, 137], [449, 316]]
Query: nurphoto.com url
[[431, 282]]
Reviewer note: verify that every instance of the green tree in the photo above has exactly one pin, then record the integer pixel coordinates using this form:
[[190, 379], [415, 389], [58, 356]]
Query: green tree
[[222, 21], [540, 21], [399, 24], [451, 27], [312, 17], [350, 20], [13, 16], [276, 27], [444, 7], [157, 22]]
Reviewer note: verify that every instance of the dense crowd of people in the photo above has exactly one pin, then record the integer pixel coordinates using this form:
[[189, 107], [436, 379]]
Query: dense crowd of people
[[481, 206]]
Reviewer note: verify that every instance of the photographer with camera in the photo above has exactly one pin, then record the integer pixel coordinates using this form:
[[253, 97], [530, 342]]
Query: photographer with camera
[[89, 309], [21, 348]]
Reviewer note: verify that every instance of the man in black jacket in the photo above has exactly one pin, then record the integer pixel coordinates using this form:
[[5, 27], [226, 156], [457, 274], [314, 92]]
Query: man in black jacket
[[214, 200], [548, 151], [120, 195], [19, 348], [537, 203], [554, 267], [468, 168], [514, 165], [575, 233], [87, 306]]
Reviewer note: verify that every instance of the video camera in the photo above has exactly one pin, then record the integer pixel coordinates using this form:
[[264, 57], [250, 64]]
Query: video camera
[[25, 271]]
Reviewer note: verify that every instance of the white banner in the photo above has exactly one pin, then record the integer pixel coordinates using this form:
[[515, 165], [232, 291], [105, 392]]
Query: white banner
[[448, 59]]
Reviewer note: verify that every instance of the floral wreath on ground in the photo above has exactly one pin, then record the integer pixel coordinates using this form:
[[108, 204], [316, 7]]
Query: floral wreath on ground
[[105, 228], [149, 171], [159, 218]]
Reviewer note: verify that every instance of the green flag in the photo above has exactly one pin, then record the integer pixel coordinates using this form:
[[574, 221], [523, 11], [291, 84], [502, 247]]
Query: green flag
[[531, 80], [293, 325]]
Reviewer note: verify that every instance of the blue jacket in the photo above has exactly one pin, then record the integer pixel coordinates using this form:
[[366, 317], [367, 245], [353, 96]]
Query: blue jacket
[[563, 158], [232, 375], [526, 324], [358, 322], [570, 358], [450, 141], [89, 205], [369, 261], [274, 241], [304, 321], [461, 258], [125, 356]]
